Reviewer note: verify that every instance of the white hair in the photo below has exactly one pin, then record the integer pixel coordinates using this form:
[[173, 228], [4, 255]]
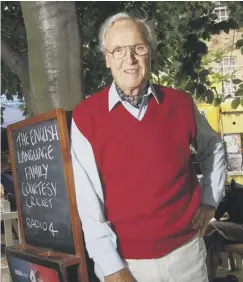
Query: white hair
[[147, 26]]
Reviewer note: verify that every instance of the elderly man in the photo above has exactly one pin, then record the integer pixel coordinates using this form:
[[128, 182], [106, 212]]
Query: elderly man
[[141, 206]]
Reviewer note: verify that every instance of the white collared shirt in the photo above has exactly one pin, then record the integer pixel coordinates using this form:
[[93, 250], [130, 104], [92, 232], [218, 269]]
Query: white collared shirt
[[138, 113], [99, 237]]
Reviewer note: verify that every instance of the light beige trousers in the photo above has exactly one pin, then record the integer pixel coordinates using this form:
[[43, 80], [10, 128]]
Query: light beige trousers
[[185, 264]]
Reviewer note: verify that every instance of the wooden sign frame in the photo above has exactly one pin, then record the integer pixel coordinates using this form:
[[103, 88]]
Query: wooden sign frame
[[60, 263], [60, 116]]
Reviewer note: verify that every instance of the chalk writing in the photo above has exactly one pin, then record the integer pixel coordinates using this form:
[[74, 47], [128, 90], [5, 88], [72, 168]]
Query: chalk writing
[[40, 135], [43, 153], [23, 139], [38, 202], [41, 185], [40, 188], [34, 223], [36, 171]]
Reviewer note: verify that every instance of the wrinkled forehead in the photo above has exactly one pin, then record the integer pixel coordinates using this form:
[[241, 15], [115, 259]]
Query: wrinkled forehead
[[124, 32]]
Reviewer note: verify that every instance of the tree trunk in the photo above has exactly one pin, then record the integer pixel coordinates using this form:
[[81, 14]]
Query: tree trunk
[[54, 54]]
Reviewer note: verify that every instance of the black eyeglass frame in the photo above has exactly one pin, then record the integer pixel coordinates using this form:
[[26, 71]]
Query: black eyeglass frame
[[132, 48]]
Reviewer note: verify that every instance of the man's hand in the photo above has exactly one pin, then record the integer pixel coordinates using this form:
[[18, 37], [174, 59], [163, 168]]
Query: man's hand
[[202, 217], [123, 275]]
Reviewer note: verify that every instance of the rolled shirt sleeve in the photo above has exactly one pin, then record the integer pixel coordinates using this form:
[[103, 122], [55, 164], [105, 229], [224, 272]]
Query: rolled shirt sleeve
[[211, 155], [99, 238]]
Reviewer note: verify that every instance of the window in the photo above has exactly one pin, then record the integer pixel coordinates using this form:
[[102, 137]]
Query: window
[[227, 66], [222, 12]]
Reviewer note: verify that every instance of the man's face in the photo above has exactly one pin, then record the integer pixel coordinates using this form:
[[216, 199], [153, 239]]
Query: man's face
[[133, 70]]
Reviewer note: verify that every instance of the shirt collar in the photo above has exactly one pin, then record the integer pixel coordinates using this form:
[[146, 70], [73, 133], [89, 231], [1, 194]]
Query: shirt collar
[[115, 98]]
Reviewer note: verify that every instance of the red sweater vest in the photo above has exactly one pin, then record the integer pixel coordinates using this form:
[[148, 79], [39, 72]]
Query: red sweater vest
[[151, 191]]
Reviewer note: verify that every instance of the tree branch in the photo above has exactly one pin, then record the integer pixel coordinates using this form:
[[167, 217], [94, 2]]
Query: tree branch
[[16, 62]]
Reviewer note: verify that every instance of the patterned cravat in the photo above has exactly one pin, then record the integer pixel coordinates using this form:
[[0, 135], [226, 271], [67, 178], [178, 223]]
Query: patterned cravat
[[134, 100]]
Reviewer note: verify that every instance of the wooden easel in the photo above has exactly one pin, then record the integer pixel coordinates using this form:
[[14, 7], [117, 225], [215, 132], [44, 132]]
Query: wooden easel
[[40, 254]]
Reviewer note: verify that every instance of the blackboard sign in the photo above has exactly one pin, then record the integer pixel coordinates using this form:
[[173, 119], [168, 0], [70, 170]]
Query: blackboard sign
[[42, 188], [44, 185]]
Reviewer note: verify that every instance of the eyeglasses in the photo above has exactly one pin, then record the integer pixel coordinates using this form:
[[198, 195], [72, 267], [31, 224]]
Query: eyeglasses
[[120, 52]]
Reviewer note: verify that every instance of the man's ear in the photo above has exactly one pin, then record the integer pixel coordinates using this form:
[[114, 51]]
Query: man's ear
[[107, 62]]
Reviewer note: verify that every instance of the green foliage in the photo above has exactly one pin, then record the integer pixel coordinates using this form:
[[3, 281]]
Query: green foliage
[[9, 80], [239, 45], [217, 78], [236, 11], [217, 102], [13, 28], [181, 42], [235, 103], [13, 31], [182, 28], [237, 81], [239, 92]]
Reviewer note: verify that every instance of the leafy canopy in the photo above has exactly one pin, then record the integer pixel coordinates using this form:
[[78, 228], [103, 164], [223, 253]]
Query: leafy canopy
[[182, 30]]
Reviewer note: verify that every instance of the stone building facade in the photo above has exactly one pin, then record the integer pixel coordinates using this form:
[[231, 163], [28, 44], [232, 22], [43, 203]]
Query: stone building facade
[[232, 62]]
